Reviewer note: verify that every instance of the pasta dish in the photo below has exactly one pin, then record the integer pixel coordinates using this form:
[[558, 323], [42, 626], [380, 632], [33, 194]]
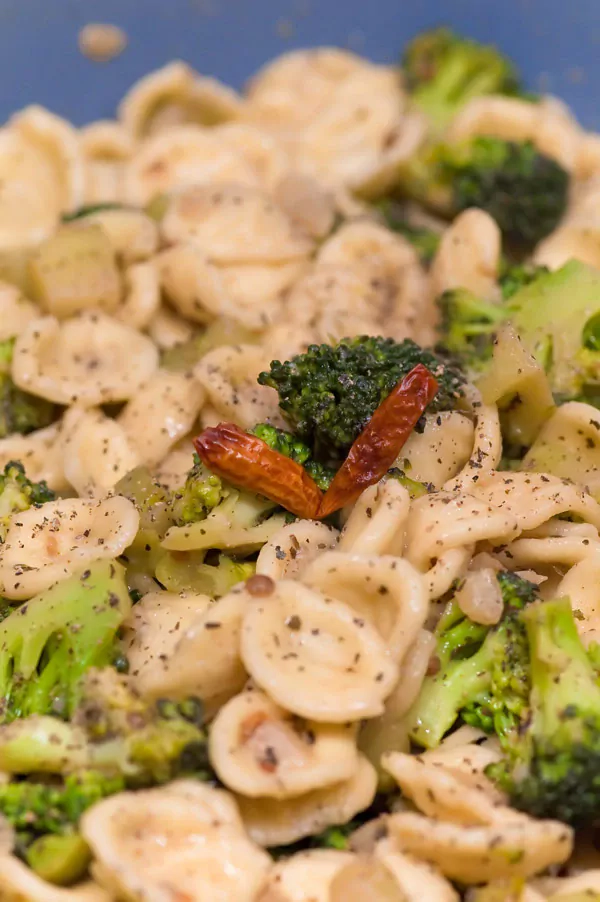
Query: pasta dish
[[300, 489]]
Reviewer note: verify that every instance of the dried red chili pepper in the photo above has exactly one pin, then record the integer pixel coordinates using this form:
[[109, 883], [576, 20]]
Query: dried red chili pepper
[[380, 442], [248, 462]]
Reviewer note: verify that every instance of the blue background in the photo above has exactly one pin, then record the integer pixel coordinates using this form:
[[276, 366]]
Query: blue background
[[556, 43]]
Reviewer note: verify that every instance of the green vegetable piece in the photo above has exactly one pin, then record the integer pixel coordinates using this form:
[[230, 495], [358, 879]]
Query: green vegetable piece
[[89, 210], [329, 393], [222, 331], [292, 447], [62, 860], [20, 412], [18, 493], [48, 643]]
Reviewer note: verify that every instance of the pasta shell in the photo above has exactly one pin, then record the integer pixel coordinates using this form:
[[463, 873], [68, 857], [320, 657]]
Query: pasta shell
[[259, 749], [445, 521], [275, 822], [296, 641], [162, 411], [142, 296], [167, 329], [233, 222], [20, 884], [259, 148], [417, 881], [97, 452], [48, 543], [89, 359], [309, 205], [389, 266], [16, 312], [228, 375], [377, 521], [483, 853], [106, 147], [173, 469], [154, 628], [441, 450], [206, 660], [182, 156], [468, 256], [40, 452], [355, 137], [175, 95], [289, 91], [132, 234], [386, 591], [305, 877], [293, 547], [568, 446], [183, 840]]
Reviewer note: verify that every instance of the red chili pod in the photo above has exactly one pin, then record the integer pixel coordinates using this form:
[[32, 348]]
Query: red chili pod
[[248, 462], [380, 442]]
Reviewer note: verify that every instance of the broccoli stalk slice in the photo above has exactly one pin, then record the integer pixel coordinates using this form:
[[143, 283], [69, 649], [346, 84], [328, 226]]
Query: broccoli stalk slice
[[48, 643], [552, 762], [61, 860]]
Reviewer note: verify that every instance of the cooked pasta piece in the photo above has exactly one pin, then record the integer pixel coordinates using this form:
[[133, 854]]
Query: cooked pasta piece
[[97, 451], [182, 840], [205, 661], [90, 359], [441, 450], [232, 222], [106, 147], [228, 375], [16, 311], [292, 549], [568, 446], [176, 95], [132, 233], [468, 256], [41, 454], [141, 302], [305, 877], [50, 542], [295, 641], [386, 592], [377, 520], [260, 750], [163, 411], [274, 822]]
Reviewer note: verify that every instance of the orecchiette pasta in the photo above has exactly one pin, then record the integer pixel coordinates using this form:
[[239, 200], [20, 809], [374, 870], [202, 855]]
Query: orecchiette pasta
[[142, 295], [468, 256], [40, 452], [163, 410], [90, 359], [274, 822], [16, 311], [295, 641], [46, 544], [287, 554], [180, 840], [97, 451], [306, 877], [259, 749], [377, 520]]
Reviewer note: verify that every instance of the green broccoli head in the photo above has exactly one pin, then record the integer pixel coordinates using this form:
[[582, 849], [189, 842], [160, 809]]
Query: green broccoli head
[[18, 493], [201, 493], [481, 672], [287, 444], [20, 412], [48, 643], [329, 393], [525, 191], [444, 70], [553, 760], [425, 241]]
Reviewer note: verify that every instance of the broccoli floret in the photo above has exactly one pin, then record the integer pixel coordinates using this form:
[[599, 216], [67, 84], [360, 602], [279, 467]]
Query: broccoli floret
[[329, 393], [20, 412], [292, 447], [467, 325], [552, 763], [444, 70], [514, 276], [18, 493], [48, 643], [37, 809], [201, 493], [523, 190], [482, 672], [425, 241]]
